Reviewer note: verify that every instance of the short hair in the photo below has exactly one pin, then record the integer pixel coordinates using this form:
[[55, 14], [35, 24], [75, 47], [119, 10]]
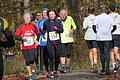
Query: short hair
[[112, 7], [91, 10], [52, 11], [104, 8]]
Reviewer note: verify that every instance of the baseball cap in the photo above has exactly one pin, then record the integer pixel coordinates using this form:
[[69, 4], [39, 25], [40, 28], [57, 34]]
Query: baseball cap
[[45, 9]]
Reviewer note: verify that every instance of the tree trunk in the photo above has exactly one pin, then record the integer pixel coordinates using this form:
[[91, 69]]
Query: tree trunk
[[26, 5], [19, 15]]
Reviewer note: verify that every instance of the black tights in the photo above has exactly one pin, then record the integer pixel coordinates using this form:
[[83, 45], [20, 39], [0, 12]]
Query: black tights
[[104, 47], [54, 56]]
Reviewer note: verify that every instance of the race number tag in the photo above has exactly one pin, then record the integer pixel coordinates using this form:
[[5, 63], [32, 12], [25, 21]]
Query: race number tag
[[29, 41], [68, 35], [54, 36]]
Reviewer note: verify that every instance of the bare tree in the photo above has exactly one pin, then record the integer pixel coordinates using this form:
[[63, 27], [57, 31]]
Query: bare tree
[[19, 13]]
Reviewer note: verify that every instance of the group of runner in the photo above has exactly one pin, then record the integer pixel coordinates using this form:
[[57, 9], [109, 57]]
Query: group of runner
[[48, 40], [103, 32], [48, 37]]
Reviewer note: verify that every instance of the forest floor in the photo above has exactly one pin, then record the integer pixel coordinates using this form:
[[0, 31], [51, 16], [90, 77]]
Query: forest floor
[[83, 74]]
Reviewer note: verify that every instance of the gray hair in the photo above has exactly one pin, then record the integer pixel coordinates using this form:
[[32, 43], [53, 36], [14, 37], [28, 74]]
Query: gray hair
[[64, 10]]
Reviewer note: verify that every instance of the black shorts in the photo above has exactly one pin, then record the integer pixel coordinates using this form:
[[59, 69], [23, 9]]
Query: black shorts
[[66, 50], [30, 55], [91, 44], [116, 41]]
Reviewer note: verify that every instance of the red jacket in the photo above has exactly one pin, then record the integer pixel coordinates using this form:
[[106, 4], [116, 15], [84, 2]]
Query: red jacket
[[29, 31]]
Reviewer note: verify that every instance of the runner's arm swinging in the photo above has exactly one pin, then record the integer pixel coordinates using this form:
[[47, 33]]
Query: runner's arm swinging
[[114, 28]]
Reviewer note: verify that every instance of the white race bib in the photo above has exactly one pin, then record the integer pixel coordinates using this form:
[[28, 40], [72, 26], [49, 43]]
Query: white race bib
[[54, 36], [67, 35], [29, 41]]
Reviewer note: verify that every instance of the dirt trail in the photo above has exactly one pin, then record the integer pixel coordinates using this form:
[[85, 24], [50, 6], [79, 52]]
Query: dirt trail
[[74, 75]]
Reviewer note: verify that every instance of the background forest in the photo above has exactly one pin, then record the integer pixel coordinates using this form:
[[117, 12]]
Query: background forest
[[13, 10]]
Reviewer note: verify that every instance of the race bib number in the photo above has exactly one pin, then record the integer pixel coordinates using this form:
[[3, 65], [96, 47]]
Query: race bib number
[[54, 36], [29, 41], [67, 35]]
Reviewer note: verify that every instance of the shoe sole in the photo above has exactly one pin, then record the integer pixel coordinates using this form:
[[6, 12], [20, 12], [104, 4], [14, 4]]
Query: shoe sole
[[62, 71]]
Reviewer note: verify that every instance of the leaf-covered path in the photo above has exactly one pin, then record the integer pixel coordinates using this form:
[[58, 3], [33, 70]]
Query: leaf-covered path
[[83, 74]]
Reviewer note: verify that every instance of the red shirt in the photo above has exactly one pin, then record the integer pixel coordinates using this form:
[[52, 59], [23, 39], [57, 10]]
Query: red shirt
[[29, 31]]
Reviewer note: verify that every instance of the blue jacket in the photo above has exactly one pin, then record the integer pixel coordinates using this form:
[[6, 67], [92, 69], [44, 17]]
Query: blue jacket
[[40, 23], [49, 27]]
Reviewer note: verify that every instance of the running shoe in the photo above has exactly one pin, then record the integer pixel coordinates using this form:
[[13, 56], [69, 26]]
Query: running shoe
[[115, 70], [107, 71], [63, 70], [56, 74], [51, 75], [29, 77], [103, 72], [68, 69], [95, 68], [34, 75]]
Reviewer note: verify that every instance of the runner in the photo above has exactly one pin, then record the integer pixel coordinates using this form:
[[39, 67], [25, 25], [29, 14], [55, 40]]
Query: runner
[[26, 33], [66, 39], [115, 57], [38, 16], [54, 28], [9, 43], [90, 38], [43, 42], [103, 27]]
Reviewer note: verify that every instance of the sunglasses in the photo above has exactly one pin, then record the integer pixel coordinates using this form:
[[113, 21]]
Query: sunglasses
[[38, 15]]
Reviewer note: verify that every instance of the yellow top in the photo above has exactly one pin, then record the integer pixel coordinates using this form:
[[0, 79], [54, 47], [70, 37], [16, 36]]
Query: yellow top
[[5, 23], [68, 24]]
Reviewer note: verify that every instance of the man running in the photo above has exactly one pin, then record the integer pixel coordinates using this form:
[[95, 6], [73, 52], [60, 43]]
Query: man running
[[38, 16], [90, 38], [43, 42], [66, 39], [115, 57], [104, 26]]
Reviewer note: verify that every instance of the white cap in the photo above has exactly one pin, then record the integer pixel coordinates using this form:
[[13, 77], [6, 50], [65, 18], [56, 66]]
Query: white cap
[[27, 15]]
